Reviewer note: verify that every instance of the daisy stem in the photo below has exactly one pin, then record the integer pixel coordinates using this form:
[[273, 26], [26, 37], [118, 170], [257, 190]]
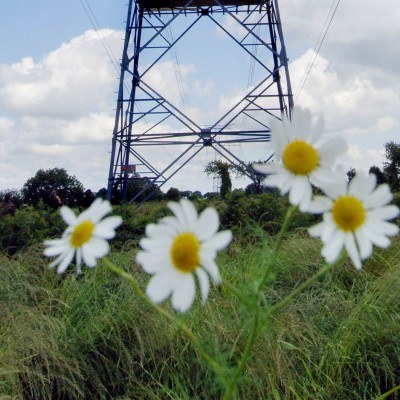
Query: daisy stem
[[231, 389], [173, 320], [306, 284], [272, 260]]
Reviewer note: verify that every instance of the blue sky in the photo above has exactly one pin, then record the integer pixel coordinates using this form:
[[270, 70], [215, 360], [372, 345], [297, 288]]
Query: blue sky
[[33, 28], [57, 84]]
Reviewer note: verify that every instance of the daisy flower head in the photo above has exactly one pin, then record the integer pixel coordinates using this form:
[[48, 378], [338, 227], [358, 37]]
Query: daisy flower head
[[85, 237], [177, 249], [355, 217], [304, 156]]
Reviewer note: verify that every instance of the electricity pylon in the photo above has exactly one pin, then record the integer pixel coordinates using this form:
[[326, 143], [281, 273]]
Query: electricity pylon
[[144, 116]]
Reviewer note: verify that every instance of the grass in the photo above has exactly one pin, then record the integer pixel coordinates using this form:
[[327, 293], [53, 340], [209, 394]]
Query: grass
[[90, 338]]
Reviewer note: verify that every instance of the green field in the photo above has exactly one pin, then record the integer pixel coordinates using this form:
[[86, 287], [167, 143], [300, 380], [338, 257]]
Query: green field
[[90, 337]]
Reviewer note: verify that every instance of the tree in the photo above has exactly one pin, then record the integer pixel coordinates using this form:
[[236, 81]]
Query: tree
[[380, 176], [392, 165], [247, 170], [143, 188], [173, 194], [55, 180], [221, 169]]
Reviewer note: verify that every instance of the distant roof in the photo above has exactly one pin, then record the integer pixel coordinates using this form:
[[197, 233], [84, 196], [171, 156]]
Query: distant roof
[[171, 4]]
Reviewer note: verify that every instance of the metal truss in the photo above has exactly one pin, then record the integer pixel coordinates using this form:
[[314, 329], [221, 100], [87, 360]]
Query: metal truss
[[141, 110]]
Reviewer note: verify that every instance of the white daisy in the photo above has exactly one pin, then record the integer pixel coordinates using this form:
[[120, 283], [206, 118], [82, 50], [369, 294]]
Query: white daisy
[[355, 217], [304, 156], [179, 246], [84, 237]]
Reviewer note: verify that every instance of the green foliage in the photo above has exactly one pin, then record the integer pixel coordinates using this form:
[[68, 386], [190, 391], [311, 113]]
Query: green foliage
[[220, 169], [135, 221], [392, 165], [16, 196], [380, 176], [266, 210], [28, 226], [68, 338], [173, 194], [41, 186], [138, 187]]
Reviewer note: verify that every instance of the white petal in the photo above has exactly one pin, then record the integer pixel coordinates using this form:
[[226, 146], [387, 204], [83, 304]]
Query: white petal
[[78, 254], [183, 296], [380, 197], [352, 251], [56, 247], [151, 262], [88, 256], [106, 228], [159, 287], [319, 204], [316, 230], [364, 244], [96, 212], [323, 176], [279, 138], [376, 238], [266, 169], [161, 244], [383, 227], [330, 150], [68, 215], [275, 180], [217, 242], [387, 212], [96, 248], [361, 185], [190, 213], [335, 187], [65, 261], [300, 191], [211, 267], [179, 214], [332, 249], [207, 225], [318, 130], [204, 283], [159, 230], [301, 123], [330, 228]]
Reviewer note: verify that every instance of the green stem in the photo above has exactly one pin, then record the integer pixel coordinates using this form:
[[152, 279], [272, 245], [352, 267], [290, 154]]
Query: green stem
[[306, 284], [173, 320], [255, 326], [274, 255], [391, 391], [243, 361]]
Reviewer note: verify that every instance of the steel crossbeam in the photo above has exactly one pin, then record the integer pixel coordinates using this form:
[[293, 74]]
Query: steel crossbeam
[[142, 110]]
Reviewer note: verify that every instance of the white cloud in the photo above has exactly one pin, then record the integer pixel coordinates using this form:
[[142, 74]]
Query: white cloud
[[71, 81], [354, 104], [58, 111]]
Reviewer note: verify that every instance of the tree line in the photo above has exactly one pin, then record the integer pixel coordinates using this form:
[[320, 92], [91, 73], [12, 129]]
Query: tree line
[[48, 185]]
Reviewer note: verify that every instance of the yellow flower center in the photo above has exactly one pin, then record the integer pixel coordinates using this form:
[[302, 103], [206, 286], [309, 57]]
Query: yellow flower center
[[82, 234], [185, 252], [300, 158], [348, 213]]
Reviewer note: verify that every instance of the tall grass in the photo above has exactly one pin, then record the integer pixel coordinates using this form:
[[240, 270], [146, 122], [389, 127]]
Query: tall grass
[[63, 337]]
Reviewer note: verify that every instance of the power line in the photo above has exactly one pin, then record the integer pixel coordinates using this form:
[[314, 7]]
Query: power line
[[97, 28], [320, 45]]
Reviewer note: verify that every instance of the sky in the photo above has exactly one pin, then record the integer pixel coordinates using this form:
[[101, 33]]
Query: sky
[[58, 83]]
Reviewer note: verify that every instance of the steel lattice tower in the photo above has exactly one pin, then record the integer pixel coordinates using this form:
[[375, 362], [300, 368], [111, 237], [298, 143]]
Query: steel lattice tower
[[141, 109]]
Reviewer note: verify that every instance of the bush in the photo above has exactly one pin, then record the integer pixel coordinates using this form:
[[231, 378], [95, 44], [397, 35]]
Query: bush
[[28, 226]]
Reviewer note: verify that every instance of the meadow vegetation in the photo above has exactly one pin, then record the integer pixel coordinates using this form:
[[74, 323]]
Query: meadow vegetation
[[89, 337]]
